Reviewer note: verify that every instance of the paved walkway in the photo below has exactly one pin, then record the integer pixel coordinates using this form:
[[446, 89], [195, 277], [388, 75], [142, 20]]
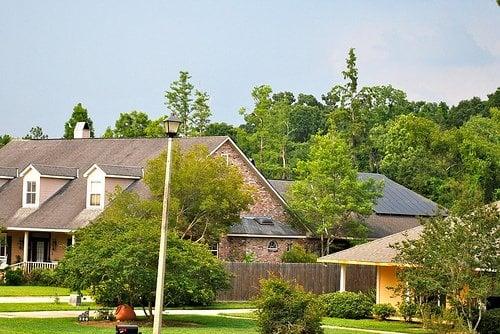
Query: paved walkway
[[360, 330], [39, 299], [139, 312]]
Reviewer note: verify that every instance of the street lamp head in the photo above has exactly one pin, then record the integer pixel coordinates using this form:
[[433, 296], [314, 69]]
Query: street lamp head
[[171, 125]]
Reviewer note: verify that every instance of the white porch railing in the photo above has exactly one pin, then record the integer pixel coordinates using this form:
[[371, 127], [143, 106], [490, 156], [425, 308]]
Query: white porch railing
[[30, 266]]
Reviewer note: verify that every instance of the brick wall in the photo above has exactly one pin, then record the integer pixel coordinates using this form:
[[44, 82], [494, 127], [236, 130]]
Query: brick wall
[[234, 248], [266, 202]]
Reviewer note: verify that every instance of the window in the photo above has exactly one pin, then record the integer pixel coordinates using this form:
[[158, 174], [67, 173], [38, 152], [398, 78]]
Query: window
[[272, 246], [31, 192], [225, 156], [214, 249], [95, 193], [289, 246], [3, 245]]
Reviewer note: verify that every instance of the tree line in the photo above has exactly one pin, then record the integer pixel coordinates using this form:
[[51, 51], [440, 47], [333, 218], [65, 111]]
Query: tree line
[[450, 154]]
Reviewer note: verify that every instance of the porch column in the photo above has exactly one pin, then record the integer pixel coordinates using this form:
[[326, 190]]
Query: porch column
[[343, 269], [26, 242], [73, 240], [377, 287]]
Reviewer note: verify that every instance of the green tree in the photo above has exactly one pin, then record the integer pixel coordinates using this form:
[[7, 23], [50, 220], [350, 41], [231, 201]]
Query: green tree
[[207, 195], [200, 114], [328, 196], [178, 100], [307, 118], [221, 129], [116, 259], [79, 114], [354, 113], [410, 150], [131, 125], [4, 140], [36, 133], [494, 99], [108, 133], [466, 109], [155, 129], [456, 257]]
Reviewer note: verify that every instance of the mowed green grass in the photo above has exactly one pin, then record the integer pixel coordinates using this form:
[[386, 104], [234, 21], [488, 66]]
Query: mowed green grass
[[388, 326], [31, 307], [176, 325], [27, 290]]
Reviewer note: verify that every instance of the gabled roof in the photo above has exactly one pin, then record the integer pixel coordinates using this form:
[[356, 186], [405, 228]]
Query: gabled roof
[[8, 172], [51, 171], [395, 200], [263, 227], [65, 209], [134, 172], [377, 252]]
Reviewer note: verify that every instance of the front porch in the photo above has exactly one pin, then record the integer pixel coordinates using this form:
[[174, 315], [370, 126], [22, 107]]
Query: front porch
[[29, 250]]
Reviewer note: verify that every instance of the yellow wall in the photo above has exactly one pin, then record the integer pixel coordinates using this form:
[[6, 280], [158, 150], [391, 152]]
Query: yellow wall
[[386, 278]]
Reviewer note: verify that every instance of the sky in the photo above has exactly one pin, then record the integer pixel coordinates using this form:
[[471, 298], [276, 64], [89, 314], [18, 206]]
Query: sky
[[119, 56]]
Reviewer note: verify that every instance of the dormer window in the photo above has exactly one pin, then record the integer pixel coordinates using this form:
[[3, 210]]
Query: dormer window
[[31, 192], [95, 193]]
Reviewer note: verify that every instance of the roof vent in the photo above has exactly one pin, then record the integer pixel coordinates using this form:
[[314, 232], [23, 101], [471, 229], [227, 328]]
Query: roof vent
[[82, 130], [264, 220]]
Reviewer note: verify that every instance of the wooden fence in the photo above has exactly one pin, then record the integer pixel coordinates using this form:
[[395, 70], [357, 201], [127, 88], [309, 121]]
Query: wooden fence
[[314, 277]]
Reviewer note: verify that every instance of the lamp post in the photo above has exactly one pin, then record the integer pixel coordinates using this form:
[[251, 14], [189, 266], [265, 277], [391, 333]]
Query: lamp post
[[171, 125]]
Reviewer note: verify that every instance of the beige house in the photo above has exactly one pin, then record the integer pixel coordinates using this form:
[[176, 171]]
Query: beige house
[[380, 254]]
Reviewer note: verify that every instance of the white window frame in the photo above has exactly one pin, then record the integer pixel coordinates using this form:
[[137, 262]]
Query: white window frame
[[272, 246], [31, 176], [214, 249], [95, 192], [30, 193]]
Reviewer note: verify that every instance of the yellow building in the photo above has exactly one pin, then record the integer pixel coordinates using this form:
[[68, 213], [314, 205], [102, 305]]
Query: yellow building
[[380, 254]]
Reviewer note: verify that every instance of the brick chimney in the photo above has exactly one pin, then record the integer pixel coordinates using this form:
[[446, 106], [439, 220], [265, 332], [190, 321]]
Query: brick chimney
[[82, 130]]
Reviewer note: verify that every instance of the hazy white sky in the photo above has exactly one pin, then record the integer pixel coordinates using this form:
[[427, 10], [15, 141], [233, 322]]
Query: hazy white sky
[[118, 56]]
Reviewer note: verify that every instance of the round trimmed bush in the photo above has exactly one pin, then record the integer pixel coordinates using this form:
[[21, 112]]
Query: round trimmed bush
[[347, 305], [283, 307], [490, 322], [407, 310], [13, 277], [383, 311]]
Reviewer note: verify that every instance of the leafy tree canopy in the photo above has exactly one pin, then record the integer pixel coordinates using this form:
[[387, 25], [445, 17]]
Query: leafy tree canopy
[[35, 133], [79, 114], [207, 195], [131, 125], [328, 195], [456, 257], [4, 140]]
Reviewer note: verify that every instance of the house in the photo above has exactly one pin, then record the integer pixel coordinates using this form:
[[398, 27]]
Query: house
[[51, 188], [377, 253], [380, 254], [397, 209]]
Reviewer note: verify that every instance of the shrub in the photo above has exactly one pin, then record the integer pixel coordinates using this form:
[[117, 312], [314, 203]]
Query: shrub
[[383, 311], [348, 305], [13, 277], [286, 308], [490, 322], [297, 254], [407, 310], [42, 277]]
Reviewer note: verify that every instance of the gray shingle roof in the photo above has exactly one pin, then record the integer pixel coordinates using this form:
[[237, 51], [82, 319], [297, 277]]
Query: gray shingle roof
[[374, 252], [131, 171], [8, 172], [66, 208], [399, 200], [256, 226], [50, 170], [395, 200]]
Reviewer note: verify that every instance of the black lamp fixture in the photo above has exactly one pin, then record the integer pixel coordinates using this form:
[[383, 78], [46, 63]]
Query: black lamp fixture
[[171, 125]]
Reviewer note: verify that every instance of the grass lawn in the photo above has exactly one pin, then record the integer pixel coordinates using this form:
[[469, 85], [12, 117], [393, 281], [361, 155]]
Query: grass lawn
[[177, 325], [25, 290], [25, 307], [389, 326]]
